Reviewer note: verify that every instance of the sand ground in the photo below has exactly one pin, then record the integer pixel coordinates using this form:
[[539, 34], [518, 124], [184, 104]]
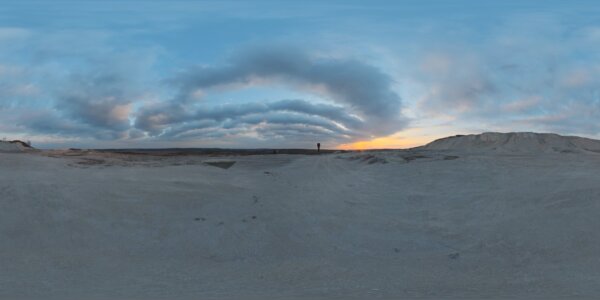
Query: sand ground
[[393, 224]]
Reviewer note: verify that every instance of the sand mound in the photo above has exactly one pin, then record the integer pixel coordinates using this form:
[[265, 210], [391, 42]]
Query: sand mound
[[14, 146], [523, 142]]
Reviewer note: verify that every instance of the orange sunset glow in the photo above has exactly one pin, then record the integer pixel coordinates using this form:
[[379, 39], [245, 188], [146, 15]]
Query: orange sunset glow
[[405, 139]]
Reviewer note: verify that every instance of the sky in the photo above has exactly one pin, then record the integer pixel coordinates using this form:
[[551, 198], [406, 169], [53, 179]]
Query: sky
[[289, 74]]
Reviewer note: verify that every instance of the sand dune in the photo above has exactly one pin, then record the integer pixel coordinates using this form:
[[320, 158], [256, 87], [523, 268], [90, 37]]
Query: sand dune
[[14, 146], [418, 223], [527, 142]]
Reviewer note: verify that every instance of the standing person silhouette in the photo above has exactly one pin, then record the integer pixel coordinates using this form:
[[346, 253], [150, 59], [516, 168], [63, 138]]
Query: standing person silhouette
[[318, 147]]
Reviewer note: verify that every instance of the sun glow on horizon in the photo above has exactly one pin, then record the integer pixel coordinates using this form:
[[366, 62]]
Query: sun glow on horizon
[[400, 140]]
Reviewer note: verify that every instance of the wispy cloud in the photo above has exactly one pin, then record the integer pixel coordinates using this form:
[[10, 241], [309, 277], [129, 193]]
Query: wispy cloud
[[520, 76]]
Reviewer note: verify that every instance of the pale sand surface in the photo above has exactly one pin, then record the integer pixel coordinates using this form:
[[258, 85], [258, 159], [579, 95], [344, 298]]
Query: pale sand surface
[[413, 224]]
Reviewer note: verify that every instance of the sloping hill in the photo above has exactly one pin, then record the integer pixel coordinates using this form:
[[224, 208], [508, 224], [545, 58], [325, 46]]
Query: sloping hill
[[520, 142], [14, 146]]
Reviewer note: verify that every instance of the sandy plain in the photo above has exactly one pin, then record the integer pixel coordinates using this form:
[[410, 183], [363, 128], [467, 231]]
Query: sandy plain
[[415, 223]]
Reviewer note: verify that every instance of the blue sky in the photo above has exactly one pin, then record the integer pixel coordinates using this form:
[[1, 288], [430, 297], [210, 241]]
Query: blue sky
[[350, 74]]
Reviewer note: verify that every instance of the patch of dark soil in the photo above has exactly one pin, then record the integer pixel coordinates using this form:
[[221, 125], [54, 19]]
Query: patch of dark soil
[[220, 164], [377, 160], [450, 157], [90, 162], [410, 158]]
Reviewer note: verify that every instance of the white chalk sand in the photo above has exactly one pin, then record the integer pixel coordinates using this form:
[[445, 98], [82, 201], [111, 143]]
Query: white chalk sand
[[517, 142], [421, 223]]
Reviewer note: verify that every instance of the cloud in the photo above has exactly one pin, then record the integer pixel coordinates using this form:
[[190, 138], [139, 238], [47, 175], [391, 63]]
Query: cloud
[[533, 73], [358, 85], [77, 84], [8, 34], [16, 88], [102, 101], [73, 84], [361, 100], [173, 120]]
